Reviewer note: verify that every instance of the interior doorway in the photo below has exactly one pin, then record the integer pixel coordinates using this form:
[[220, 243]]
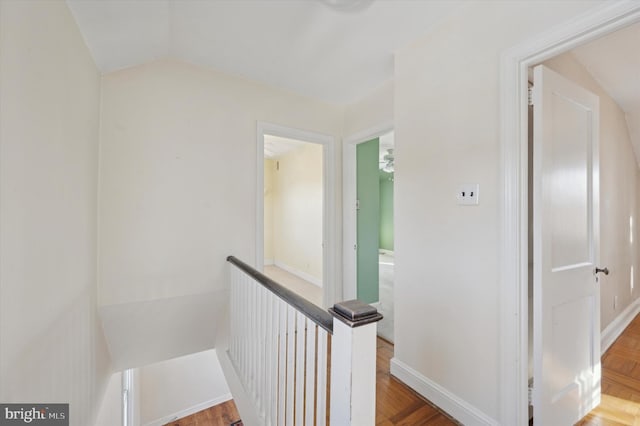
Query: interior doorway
[[368, 223], [615, 300], [295, 228], [293, 197]]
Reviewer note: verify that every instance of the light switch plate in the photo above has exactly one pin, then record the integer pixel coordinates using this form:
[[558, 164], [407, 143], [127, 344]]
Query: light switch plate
[[468, 194]]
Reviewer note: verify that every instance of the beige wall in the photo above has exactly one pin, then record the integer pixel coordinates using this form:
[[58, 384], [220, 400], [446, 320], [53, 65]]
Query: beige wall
[[297, 212], [619, 187], [372, 111], [51, 344], [447, 132], [178, 176]]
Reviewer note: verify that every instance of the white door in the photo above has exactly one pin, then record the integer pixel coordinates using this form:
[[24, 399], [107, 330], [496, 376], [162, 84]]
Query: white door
[[566, 306]]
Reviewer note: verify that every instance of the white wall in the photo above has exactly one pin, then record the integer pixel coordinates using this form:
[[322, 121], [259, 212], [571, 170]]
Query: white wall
[[619, 186], [372, 111], [180, 387], [297, 212], [52, 347], [141, 333], [110, 413], [178, 175], [447, 133]]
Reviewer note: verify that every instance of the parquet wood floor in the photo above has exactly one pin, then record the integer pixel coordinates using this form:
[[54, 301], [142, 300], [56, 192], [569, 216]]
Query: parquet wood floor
[[396, 404], [620, 404], [220, 415]]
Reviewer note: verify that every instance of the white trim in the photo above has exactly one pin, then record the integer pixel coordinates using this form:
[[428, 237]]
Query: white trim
[[330, 253], [191, 410], [241, 397], [268, 262], [514, 64], [300, 274], [455, 406], [128, 397], [618, 325], [349, 230]]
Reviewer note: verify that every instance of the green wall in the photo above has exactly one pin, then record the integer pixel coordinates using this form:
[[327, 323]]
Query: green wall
[[386, 210], [368, 227]]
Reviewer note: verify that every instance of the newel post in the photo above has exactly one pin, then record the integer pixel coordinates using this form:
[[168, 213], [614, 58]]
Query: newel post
[[353, 364]]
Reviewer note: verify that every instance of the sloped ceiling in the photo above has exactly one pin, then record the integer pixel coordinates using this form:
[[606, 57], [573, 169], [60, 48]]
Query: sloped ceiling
[[337, 51], [614, 61], [276, 146]]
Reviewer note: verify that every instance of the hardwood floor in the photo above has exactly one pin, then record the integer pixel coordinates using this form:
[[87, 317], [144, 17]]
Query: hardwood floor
[[620, 382], [396, 404], [220, 415]]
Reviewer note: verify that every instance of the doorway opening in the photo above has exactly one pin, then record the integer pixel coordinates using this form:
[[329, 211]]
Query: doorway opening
[[295, 242], [293, 215], [368, 223], [616, 185], [515, 63]]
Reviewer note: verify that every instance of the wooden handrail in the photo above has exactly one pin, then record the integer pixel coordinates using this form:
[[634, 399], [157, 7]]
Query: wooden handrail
[[318, 315]]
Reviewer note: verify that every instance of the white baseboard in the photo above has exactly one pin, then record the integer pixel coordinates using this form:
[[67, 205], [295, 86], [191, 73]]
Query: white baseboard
[[456, 407], [617, 326], [191, 410], [268, 262], [299, 274]]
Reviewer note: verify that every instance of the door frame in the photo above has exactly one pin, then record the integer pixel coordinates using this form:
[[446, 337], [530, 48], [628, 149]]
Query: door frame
[[514, 66], [349, 196], [330, 284]]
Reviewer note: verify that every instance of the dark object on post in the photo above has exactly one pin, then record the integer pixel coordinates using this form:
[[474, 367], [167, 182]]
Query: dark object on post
[[355, 313]]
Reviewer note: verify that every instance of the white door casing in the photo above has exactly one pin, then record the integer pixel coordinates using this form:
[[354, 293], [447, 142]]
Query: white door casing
[[514, 65], [566, 307]]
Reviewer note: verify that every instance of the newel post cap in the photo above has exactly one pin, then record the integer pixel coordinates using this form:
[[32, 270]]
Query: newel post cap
[[355, 313]]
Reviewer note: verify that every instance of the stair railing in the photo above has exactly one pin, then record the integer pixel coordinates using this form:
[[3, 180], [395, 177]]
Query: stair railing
[[290, 362]]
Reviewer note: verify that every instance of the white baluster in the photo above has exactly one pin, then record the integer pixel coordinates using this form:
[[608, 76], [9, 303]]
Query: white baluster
[[282, 362], [291, 363], [300, 357], [321, 385], [253, 351], [266, 319], [310, 374], [272, 391], [261, 370]]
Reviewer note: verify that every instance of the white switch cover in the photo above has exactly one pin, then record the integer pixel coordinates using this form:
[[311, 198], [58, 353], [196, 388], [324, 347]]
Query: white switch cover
[[468, 194]]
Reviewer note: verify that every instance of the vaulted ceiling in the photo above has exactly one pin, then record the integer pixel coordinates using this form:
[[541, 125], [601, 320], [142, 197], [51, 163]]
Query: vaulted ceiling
[[337, 51]]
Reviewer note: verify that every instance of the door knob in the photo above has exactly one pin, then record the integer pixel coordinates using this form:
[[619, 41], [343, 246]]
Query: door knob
[[605, 270]]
